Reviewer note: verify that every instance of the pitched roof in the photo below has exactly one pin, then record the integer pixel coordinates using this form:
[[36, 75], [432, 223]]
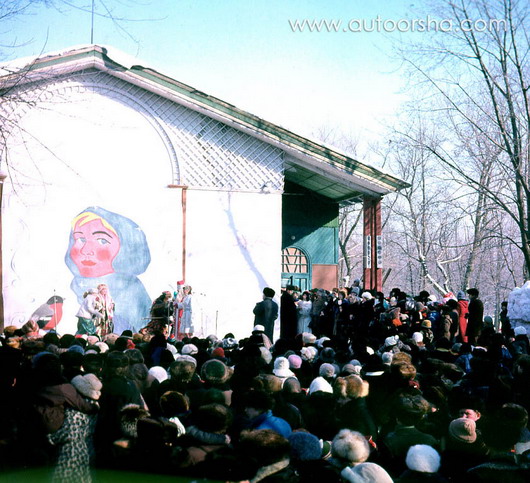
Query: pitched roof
[[307, 163]]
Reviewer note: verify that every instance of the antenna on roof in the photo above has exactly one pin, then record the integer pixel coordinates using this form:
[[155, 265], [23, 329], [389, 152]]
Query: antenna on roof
[[92, 24]]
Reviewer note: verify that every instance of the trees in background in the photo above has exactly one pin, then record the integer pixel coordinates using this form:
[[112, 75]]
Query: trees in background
[[464, 147]]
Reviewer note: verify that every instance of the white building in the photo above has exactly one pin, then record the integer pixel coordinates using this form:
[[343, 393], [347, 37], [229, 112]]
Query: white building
[[187, 187]]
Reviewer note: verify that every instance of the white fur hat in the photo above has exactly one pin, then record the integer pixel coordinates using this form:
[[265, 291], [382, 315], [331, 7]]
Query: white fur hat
[[88, 385], [159, 373], [320, 384], [308, 338], [366, 473], [189, 350], [308, 353], [387, 357], [102, 346], [417, 337], [281, 367], [391, 341], [326, 370], [350, 446], [423, 458]]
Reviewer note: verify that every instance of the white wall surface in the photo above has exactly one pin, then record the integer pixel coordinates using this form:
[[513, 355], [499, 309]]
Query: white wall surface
[[80, 147], [233, 252]]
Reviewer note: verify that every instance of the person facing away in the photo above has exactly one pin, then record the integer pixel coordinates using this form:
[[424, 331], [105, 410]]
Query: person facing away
[[266, 312]]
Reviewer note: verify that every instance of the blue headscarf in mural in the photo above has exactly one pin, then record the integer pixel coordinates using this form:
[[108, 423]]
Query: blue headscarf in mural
[[105, 247]]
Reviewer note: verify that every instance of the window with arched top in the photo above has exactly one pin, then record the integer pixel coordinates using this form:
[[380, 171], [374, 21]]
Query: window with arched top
[[294, 261], [296, 269]]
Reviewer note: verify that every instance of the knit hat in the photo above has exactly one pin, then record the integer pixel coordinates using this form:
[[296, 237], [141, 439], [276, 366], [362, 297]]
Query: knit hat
[[92, 339], [391, 341], [215, 371], [76, 348], [426, 324], [88, 385], [320, 384], [308, 338], [387, 357], [366, 473], [423, 458], [294, 361], [461, 295], [281, 367], [110, 339], [102, 346], [417, 337], [159, 373], [326, 370], [464, 430], [520, 330], [189, 350], [304, 446], [218, 352], [367, 296], [350, 446], [328, 355], [308, 353], [258, 328], [351, 369], [186, 358]]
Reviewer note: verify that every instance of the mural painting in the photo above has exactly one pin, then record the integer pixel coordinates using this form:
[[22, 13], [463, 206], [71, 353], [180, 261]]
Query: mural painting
[[111, 249]]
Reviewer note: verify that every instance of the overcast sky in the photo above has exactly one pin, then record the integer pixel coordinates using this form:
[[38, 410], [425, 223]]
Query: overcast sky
[[246, 52]]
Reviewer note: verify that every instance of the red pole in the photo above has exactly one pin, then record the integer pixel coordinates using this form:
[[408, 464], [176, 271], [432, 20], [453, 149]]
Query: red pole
[[372, 244]]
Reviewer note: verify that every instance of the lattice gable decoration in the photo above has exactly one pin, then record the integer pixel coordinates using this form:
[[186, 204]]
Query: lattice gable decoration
[[205, 152]]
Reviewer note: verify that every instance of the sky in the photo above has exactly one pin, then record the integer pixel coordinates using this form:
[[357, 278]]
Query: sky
[[246, 53]]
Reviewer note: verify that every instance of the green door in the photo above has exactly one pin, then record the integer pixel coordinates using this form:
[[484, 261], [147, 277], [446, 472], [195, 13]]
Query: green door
[[296, 268]]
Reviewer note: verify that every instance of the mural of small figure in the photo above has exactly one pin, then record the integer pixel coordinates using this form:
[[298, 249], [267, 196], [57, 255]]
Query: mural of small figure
[[105, 304], [108, 248]]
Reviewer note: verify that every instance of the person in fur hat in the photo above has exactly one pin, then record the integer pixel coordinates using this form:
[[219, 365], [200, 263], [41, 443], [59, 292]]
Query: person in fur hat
[[352, 411], [306, 458], [348, 448], [272, 454], [423, 463], [75, 437]]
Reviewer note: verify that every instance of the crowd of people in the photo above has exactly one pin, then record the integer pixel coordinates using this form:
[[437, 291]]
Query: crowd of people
[[359, 387]]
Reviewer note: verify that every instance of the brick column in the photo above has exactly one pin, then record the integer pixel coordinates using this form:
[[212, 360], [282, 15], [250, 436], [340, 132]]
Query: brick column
[[372, 244]]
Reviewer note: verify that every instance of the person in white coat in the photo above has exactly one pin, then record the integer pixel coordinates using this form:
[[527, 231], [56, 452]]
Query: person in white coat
[[186, 321], [87, 313]]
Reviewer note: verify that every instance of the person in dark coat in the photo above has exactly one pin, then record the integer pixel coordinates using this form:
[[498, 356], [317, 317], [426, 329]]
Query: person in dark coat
[[271, 451], [475, 318], [266, 312], [117, 391], [289, 315]]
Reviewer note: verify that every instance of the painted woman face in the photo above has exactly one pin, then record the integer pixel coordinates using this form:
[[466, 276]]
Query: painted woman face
[[94, 249]]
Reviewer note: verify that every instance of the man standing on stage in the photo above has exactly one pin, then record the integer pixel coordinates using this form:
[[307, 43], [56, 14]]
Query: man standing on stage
[[266, 312], [288, 314]]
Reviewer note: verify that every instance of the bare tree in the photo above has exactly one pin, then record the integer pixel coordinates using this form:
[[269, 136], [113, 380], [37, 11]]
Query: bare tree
[[480, 81]]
